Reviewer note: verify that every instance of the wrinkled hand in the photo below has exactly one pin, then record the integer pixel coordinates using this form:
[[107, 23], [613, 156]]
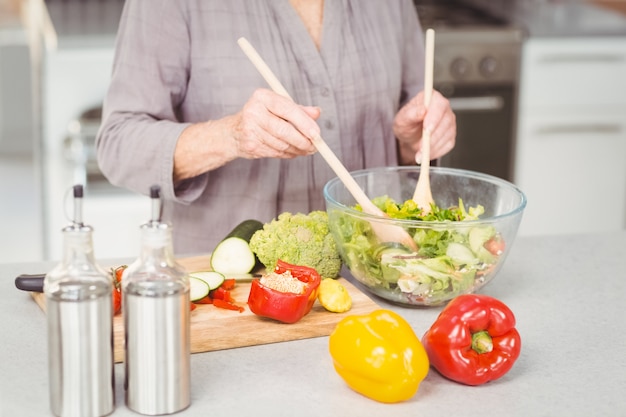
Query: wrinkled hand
[[413, 118], [272, 126]]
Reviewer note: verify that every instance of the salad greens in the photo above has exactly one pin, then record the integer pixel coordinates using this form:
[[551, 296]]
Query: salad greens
[[450, 260]]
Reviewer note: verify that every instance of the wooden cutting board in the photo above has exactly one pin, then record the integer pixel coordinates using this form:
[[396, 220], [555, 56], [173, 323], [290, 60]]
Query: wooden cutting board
[[213, 328]]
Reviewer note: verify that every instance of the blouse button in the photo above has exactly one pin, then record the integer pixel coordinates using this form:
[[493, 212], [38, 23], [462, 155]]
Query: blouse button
[[328, 124], [325, 92]]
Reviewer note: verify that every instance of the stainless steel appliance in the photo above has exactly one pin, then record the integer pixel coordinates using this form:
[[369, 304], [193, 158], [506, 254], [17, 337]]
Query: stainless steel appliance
[[80, 149], [477, 59]]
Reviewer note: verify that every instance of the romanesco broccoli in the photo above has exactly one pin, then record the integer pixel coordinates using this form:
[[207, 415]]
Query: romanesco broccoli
[[299, 239]]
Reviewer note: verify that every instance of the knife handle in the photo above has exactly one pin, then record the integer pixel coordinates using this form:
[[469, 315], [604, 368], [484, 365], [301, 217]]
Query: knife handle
[[32, 283]]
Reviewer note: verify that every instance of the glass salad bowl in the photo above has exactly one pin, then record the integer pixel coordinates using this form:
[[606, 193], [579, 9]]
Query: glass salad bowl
[[451, 257]]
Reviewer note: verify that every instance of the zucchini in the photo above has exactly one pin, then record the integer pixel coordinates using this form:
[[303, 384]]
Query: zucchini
[[233, 254], [211, 278], [461, 254], [198, 288]]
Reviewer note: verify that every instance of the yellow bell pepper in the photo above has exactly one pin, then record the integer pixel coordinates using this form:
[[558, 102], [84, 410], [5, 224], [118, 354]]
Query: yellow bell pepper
[[379, 356]]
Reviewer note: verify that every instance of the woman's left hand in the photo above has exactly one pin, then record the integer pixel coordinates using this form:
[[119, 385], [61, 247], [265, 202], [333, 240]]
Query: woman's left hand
[[413, 118]]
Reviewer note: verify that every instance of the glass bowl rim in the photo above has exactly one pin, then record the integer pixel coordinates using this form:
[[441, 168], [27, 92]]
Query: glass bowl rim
[[443, 170]]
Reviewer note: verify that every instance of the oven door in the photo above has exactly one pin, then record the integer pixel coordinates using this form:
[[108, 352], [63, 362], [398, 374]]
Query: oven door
[[485, 118]]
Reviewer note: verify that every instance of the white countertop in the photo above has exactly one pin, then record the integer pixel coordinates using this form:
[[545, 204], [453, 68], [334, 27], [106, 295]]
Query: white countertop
[[558, 18], [567, 293], [570, 19]]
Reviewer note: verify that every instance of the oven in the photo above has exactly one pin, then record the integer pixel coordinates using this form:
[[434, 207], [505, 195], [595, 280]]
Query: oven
[[477, 60]]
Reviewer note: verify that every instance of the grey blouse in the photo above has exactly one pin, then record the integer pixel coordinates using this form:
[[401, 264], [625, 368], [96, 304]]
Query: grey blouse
[[178, 62]]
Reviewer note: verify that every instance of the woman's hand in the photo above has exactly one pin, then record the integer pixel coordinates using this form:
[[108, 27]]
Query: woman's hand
[[413, 118], [268, 126], [272, 126]]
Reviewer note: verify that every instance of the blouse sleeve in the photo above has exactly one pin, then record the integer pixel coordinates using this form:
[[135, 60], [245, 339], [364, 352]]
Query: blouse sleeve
[[140, 128]]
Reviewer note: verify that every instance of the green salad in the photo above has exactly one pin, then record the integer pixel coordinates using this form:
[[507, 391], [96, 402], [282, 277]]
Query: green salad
[[450, 260]]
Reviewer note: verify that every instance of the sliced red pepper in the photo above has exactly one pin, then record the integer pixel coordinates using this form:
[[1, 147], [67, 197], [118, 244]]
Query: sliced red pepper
[[229, 284], [285, 307], [474, 340], [204, 300], [227, 305], [221, 294]]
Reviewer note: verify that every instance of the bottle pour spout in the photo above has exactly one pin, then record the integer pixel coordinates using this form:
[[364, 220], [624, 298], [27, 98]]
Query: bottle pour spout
[[78, 205], [155, 196]]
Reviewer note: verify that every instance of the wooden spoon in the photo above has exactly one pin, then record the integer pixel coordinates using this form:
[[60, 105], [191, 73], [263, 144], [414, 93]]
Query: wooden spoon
[[423, 195], [385, 232]]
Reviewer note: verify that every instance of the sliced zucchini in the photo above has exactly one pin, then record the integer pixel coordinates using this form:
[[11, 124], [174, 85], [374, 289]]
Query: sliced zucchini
[[233, 254], [211, 278], [243, 277], [461, 254], [479, 235], [390, 249], [198, 288]]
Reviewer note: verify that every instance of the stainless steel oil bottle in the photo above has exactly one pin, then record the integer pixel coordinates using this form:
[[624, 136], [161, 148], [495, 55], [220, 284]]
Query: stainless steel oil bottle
[[80, 326], [156, 309]]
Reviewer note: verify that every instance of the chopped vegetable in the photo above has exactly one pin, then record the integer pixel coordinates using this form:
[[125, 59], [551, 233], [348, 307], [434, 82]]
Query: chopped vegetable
[[212, 278], [204, 300], [219, 296], [474, 340], [300, 239], [280, 298], [116, 274], [333, 296], [198, 288], [379, 356], [233, 254], [117, 300], [228, 305], [221, 293], [229, 284]]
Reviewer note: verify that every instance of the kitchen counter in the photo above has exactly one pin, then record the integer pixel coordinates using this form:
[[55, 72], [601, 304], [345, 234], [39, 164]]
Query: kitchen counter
[[569, 19], [567, 293], [558, 18]]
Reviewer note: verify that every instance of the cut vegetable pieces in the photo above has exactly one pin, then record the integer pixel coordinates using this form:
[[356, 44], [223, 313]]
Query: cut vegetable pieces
[[461, 254], [233, 254], [242, 277], [198, 288], [333, 296], [212, 278]]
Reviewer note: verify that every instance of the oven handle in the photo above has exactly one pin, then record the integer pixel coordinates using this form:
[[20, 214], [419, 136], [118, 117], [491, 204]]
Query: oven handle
[[583, 128], [478, 103]]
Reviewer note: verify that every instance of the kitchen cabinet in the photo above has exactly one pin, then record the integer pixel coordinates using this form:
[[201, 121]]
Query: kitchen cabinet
[[571, 142], [74, 79]]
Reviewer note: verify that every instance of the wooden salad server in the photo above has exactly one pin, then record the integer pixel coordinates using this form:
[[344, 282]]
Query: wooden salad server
[[423, 195], [385, 232]]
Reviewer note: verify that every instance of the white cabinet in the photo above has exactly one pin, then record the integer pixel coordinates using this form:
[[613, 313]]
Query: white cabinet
[[571, 143], [74, 80]]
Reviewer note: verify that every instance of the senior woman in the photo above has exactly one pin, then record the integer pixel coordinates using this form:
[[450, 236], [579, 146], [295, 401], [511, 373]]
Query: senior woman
[[186, 109]]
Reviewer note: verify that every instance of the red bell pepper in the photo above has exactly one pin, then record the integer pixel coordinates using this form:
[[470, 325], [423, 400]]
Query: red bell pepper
[[474, 340], [287, 307]]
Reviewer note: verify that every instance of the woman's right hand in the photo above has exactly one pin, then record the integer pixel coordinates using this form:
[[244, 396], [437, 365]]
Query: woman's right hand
[[273, 126], [268, 126]]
